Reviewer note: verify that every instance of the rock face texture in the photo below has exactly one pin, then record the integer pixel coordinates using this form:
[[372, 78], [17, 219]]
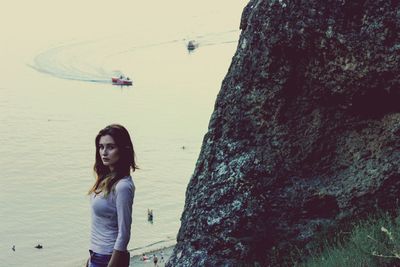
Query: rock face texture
[[305, 134]]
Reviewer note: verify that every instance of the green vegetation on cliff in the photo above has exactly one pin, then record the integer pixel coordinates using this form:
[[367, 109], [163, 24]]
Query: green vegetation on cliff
[[374, 242]]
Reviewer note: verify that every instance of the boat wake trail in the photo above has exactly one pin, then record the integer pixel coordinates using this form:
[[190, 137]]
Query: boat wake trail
[[96, 61], [217, 38], [73, 62]]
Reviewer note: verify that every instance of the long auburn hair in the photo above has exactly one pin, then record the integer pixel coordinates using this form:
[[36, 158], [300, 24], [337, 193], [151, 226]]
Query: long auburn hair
[[105, 179]]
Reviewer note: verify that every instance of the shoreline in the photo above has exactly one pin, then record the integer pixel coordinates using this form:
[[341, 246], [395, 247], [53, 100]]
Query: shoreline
[[136, 260]]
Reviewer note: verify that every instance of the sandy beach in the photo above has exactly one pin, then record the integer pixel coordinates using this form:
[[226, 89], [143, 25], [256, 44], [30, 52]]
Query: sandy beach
[[136, 260]]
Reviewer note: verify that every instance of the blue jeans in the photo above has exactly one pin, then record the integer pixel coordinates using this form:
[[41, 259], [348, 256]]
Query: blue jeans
[[98, 260]]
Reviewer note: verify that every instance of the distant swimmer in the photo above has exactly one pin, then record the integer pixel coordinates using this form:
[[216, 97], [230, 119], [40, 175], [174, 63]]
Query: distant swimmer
[[39, 246], [144, 257], [13, 248], [155, 260], [150, 215]]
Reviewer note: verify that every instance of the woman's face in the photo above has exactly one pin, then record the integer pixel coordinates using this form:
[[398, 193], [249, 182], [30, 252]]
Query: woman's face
[[108, 151]]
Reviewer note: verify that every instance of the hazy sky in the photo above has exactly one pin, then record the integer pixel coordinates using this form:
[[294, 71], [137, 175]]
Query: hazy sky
[[28, 20]]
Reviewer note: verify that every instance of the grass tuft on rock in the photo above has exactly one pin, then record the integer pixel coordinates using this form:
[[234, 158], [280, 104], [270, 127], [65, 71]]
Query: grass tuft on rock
[[373, 242]]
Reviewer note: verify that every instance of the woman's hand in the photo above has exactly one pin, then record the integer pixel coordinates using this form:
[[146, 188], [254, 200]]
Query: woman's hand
[[119, 259]]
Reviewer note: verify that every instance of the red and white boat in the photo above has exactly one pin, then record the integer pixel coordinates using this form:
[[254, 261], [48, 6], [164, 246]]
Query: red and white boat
[[121, 81]]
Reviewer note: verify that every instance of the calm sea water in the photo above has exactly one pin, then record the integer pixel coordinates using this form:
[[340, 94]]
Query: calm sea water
[[57, 58]]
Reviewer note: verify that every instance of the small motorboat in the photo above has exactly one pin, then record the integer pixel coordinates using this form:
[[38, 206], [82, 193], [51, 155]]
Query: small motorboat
[[121, 81], [192, 45]]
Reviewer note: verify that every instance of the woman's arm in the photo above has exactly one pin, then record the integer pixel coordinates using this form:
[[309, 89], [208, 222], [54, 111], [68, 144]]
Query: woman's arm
[[124, 201]]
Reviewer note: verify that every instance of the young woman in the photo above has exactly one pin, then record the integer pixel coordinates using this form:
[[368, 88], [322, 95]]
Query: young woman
[[112, 198]]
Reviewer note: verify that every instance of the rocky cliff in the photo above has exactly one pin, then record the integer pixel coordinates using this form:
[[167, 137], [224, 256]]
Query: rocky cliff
[[305, 134]]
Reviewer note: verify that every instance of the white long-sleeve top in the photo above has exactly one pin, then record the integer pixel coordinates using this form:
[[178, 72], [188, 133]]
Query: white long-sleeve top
[[112, 218]]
